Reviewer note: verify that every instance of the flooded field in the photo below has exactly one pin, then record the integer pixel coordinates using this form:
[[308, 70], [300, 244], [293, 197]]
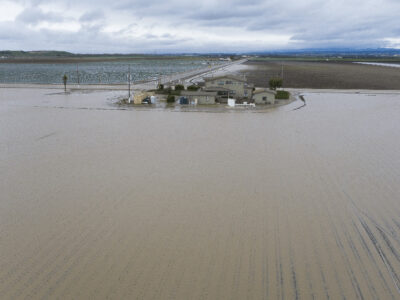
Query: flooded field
[[96, 72], [394, 65], [98, 202]]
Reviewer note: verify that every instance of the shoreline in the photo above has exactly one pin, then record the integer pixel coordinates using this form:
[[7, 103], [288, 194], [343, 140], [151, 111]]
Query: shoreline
[[341, 91], [123, 87], [103, 98]]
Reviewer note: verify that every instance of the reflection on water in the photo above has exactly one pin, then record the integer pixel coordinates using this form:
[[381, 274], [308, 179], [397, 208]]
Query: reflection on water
[[99, 202], [394, 65]]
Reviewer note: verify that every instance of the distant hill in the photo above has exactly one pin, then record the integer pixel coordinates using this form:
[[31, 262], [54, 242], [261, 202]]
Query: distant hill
[[333, 52], [27, 54], [64, 56]]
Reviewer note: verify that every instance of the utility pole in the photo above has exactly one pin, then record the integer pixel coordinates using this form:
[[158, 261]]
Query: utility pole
[[77, 73], [282, 75], [129, 84]]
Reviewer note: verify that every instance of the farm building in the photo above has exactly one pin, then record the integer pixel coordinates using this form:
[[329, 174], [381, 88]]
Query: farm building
[[222, 94], [232, 86], [264, 96], [200, 97]]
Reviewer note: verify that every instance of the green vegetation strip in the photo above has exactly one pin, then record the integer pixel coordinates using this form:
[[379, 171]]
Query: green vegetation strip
[[282, 95]]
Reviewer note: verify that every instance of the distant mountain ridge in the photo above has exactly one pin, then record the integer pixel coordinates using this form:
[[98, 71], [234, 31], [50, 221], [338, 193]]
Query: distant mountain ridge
[[332, 52], [64, 54], [15, 54], [323, 52]]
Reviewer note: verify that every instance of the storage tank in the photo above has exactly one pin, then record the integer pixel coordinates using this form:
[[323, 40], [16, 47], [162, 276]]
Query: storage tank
[[231, 102], [153, 99]]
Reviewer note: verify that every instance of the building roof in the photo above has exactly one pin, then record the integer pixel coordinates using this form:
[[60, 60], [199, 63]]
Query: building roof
[[263, 91], [198, 93], [228, 76], [216, 89]]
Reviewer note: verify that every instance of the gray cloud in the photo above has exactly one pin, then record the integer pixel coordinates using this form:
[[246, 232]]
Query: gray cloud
[[92, 16], [202, 26], [33, 15]]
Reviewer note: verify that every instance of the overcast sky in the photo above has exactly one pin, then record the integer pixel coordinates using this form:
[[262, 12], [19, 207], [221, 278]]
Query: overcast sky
[[165, 26]]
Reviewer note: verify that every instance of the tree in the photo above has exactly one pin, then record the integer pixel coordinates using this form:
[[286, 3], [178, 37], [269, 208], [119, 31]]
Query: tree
[[179, 87], [275, 83], [192, 88], [160, 87], [171, 99], [65, 78], [168, 90]]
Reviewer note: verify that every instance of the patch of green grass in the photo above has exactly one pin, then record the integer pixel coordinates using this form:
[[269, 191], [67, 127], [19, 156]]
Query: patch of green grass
[[282, 95]]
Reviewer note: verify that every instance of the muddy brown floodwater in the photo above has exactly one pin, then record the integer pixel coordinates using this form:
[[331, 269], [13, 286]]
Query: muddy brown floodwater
[[100, 203]]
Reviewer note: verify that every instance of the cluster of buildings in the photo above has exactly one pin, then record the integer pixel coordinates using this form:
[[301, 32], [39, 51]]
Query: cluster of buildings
[[221, 88], [226, 89]]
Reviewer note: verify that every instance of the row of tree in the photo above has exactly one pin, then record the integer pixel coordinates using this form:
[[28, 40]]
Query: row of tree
[[275, 82]]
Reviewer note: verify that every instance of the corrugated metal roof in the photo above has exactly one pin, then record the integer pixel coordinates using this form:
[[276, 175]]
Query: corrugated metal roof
[[233, 77], [263, 91], [198, 93], [216, 88]]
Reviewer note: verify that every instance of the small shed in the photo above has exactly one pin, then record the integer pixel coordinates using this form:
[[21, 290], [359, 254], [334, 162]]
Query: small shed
[[200, 97], [264, 96], [231, 102], [138, 97]]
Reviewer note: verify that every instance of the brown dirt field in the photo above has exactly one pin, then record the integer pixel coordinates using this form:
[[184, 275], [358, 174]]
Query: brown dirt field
[[324, 75]]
